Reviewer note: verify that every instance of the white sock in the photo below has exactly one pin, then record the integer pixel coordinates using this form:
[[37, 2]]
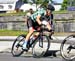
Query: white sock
[[24, 44]]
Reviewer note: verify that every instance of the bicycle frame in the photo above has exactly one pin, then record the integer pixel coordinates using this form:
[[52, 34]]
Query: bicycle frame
[[33, 41], [41, 32]]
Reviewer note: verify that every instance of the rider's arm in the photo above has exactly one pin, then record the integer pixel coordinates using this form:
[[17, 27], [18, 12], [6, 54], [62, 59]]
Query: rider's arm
[[38, 19]]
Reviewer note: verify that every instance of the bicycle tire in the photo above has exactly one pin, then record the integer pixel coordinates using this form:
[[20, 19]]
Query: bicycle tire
[[67, 42], [19, 39], [36, 48]]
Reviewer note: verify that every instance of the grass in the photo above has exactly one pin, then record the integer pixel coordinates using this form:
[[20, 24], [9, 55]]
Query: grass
[[12, 32], [18, 32], [60, 12], [23, 13], [12, 14]]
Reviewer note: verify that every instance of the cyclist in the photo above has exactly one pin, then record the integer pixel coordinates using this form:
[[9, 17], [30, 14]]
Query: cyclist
[[34, 22]]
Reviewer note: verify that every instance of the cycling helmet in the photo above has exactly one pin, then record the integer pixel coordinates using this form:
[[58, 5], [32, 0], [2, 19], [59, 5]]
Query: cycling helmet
[[50, 7]]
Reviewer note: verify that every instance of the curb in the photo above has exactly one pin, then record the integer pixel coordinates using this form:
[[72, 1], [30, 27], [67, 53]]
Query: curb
[[12, 38]]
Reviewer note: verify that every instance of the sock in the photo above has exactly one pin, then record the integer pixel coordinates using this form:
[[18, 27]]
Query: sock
[[24, 44]]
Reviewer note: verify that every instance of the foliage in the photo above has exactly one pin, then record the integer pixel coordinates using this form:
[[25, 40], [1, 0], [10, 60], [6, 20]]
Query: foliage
[[42, 2], [25, 1], [38, 1], [71, 2], [64, 5], [67, 3]]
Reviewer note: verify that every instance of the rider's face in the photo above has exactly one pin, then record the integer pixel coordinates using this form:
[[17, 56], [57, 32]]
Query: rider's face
[[48, 12]]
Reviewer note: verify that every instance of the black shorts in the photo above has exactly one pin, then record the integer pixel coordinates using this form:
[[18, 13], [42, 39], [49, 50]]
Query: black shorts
[[31, 23]]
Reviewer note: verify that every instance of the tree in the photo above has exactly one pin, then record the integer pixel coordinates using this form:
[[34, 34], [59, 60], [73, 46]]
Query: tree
[[64, 5], [42, 2], [71, 2], [67, 3], [38, 2], [25, 1]]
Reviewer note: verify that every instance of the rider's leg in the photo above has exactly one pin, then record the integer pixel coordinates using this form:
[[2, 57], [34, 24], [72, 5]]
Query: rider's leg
[[31, 30], [37, 33], [50, 28]]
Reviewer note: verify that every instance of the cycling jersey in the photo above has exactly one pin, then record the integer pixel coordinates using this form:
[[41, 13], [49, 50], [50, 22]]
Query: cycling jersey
[[39, 12], [32, 19]]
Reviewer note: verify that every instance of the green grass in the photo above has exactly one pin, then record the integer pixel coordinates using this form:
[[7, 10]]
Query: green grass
[[13, 14], [11, 32], [18, 32], [60, 12], [23, 13]]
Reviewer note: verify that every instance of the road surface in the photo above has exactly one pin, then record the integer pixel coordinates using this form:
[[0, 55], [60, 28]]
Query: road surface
[[9, 57]]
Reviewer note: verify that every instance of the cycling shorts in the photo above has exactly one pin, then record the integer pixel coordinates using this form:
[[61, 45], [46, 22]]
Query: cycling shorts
[[31, 23]]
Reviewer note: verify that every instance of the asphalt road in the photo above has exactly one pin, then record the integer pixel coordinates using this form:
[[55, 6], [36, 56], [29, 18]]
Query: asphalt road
[[9, 57], [5, 56]]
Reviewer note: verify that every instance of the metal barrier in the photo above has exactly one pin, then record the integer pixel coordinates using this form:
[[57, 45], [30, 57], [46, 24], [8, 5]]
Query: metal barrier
[[64, 26], [58, 26]]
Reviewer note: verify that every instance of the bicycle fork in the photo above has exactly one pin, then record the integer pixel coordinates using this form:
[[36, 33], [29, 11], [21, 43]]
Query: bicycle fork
[[41, 42]]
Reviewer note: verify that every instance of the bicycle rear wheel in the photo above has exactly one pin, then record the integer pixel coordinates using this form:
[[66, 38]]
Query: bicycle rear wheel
[[17, 46], [67, 48], [41, 46]]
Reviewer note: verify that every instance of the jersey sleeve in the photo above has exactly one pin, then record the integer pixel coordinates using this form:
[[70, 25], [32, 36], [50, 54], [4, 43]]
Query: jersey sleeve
[[41, 12]]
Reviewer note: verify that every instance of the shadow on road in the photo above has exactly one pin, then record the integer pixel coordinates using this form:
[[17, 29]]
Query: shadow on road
[[51, 53]]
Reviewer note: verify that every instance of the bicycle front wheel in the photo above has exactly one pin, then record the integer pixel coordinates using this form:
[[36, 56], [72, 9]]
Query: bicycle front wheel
[[41, 46], [67, 48], [17, 46]]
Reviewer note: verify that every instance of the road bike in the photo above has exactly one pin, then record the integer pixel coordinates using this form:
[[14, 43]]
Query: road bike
[[67, 48], [39, 44]]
